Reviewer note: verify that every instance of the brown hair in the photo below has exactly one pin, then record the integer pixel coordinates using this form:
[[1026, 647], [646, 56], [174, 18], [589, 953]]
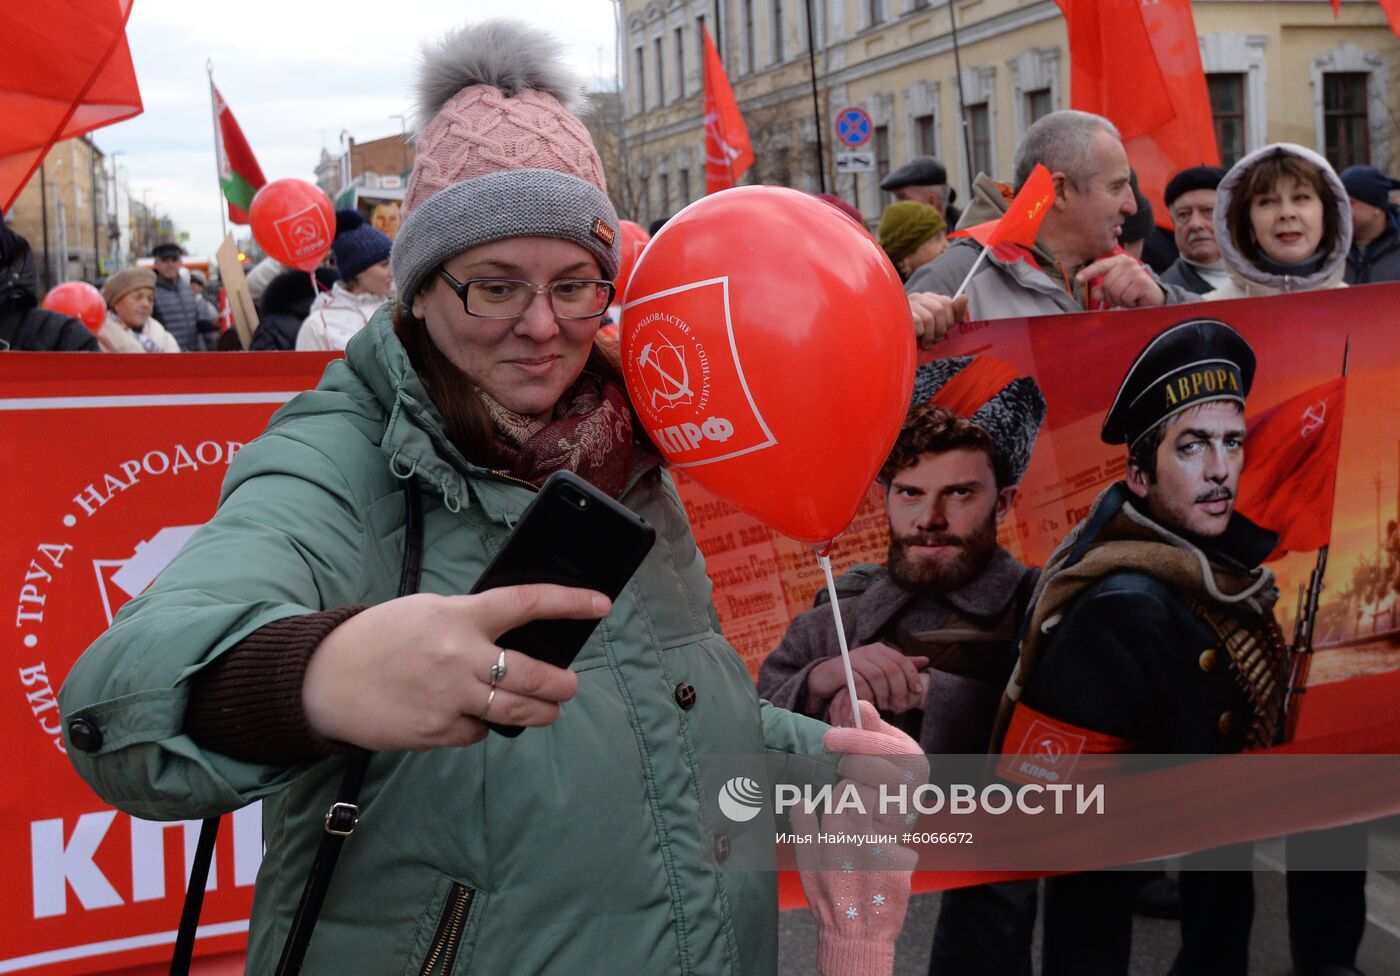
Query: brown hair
[[931, 429], [468, 424], [1261, 178]]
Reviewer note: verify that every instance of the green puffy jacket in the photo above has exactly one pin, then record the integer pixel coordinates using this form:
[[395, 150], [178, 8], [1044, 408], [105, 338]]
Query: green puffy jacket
[[578, 848]]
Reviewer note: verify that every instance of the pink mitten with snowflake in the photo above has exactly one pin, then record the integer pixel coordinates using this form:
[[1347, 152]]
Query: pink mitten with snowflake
[[856, 885]]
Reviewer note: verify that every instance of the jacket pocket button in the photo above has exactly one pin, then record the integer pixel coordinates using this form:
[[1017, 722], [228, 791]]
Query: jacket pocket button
[[685, 695], [1209, 658], [1227, 722], [721, 849], [85, 735]]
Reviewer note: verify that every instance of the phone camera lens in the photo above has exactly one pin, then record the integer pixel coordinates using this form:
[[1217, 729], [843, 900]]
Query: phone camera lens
[[581, 501]]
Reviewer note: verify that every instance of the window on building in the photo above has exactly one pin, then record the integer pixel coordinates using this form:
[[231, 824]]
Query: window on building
[[750, 62], [921, 4], [665, 187], [979, 127], [876, 9], [684, 187], [680, 62], [923, 134], [644, 200], [1344, 119], [641, 79], [660, 74], [1227, 108], [882, 161], [700, 45], [782, 166], [1038, 104], [779, 55]]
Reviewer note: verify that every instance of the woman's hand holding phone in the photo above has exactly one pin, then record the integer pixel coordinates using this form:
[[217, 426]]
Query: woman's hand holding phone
[[415, 673]]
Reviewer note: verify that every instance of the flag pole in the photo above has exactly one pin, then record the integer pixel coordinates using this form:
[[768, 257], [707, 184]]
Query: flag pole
[[816, 104], [962, 99], [972, 271], [218, 177], [1302, 650]]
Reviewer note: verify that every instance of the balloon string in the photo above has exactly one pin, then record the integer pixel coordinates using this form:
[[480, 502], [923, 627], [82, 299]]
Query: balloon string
[[824, 561]]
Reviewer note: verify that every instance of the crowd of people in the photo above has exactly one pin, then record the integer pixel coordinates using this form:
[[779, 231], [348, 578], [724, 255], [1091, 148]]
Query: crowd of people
[[317, 620]]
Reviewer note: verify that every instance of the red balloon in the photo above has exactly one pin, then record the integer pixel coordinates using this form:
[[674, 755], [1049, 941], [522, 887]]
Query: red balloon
[[634, 239], [80, 300], [294, 222], [768, 348]]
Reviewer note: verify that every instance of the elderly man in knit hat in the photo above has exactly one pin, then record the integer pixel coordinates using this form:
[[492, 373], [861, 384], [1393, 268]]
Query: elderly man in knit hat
[[1375, 226], [130, 326], [1190, 199], [912, 234], [933, 631]]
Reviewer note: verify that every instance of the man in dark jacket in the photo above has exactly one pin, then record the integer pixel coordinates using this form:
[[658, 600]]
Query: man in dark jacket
[[1190, 199], [1375, 227], [23, 325], [933, 631], [285, 304], [183, 313], [1152, 630]]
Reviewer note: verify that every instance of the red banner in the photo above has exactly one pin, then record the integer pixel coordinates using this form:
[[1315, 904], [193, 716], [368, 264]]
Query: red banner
[[111, 463]]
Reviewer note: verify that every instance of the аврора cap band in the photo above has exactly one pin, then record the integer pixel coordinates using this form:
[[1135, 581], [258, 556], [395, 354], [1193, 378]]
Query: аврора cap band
[[498, 206]]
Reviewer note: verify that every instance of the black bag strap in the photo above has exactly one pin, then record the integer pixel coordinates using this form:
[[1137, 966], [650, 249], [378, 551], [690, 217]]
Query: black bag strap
[[340, 820]]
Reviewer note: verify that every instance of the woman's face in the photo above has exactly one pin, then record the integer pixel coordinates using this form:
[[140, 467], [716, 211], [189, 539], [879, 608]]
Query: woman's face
[[1287, 220], [134, 308], [527, 362], [377, 279]]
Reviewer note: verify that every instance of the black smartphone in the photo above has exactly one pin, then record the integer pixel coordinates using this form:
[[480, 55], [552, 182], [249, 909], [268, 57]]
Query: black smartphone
[[574, 535]]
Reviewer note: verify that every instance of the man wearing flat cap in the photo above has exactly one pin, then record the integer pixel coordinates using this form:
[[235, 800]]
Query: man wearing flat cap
[[1375, 226], [924, 180], [933, 631], [1190, 199], [190, 319]]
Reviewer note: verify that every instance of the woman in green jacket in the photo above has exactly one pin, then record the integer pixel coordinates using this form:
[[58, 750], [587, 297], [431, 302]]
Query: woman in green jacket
[[273, 647]]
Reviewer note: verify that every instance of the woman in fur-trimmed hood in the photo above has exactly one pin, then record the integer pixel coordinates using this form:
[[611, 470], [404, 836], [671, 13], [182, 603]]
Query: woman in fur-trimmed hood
[[1283, 223], [274, 649]]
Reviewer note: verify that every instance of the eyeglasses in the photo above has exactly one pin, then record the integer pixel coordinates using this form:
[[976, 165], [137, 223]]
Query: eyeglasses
[[508, 298]]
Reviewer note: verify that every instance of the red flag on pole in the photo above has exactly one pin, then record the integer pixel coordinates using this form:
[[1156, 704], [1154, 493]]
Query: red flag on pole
[[239, 173], [1139, 65], [66, 71], [1290, 471], [728, 152], [1023, 216]]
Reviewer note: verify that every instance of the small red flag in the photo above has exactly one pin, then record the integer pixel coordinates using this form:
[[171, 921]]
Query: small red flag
[[1023, 216], [1290, 470], [1392, 14], [728, 152]]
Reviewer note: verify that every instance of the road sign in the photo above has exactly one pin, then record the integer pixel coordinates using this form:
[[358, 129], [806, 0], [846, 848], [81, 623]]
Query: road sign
[[855, 162], [853, 127]]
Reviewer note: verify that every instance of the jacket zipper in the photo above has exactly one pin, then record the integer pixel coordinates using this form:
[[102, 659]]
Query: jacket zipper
[[443, 951]]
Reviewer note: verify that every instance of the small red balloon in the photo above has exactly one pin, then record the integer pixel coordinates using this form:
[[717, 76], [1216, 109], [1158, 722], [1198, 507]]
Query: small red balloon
[[293, 222], [634, 241], [80, 300], [769, 350]]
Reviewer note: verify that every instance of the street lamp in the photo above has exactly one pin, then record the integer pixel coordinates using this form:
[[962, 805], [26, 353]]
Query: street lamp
[[403, 142]]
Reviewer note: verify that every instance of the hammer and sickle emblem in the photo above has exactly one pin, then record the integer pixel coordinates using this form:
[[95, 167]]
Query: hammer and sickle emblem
[[667, 374], [1314, 417], [1050, 751]]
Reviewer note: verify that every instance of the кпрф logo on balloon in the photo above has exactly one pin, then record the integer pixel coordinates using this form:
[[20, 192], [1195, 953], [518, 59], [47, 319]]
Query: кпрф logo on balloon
[[740, 799]]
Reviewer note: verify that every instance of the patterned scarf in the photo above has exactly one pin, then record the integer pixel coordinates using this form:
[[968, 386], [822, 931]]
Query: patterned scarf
[[590, 435]]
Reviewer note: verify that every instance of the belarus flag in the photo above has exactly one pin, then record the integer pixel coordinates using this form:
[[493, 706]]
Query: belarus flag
[[239, 172]]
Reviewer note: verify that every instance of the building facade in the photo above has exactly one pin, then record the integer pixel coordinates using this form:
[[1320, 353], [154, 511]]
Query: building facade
[[64, 212], [1277, 70]]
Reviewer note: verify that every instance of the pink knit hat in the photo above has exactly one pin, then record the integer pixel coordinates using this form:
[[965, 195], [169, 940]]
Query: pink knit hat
[[500, 152], [496, 96]]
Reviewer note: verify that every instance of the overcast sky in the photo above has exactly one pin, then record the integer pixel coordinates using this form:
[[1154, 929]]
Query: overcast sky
[[294, 73]]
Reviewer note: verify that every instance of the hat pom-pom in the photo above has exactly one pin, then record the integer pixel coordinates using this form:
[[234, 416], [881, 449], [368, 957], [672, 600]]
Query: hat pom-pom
[[347, 220], [504, 54]]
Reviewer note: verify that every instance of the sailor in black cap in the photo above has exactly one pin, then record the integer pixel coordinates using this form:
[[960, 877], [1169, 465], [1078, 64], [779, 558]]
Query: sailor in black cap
[[925, 180], [1152, 628]]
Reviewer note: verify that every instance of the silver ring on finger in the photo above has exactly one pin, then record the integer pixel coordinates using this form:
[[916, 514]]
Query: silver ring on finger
[[498, 670], [489, 699]]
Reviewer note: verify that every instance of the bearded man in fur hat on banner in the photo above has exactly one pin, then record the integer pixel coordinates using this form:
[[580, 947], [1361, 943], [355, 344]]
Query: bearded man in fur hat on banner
[[933, 632]]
